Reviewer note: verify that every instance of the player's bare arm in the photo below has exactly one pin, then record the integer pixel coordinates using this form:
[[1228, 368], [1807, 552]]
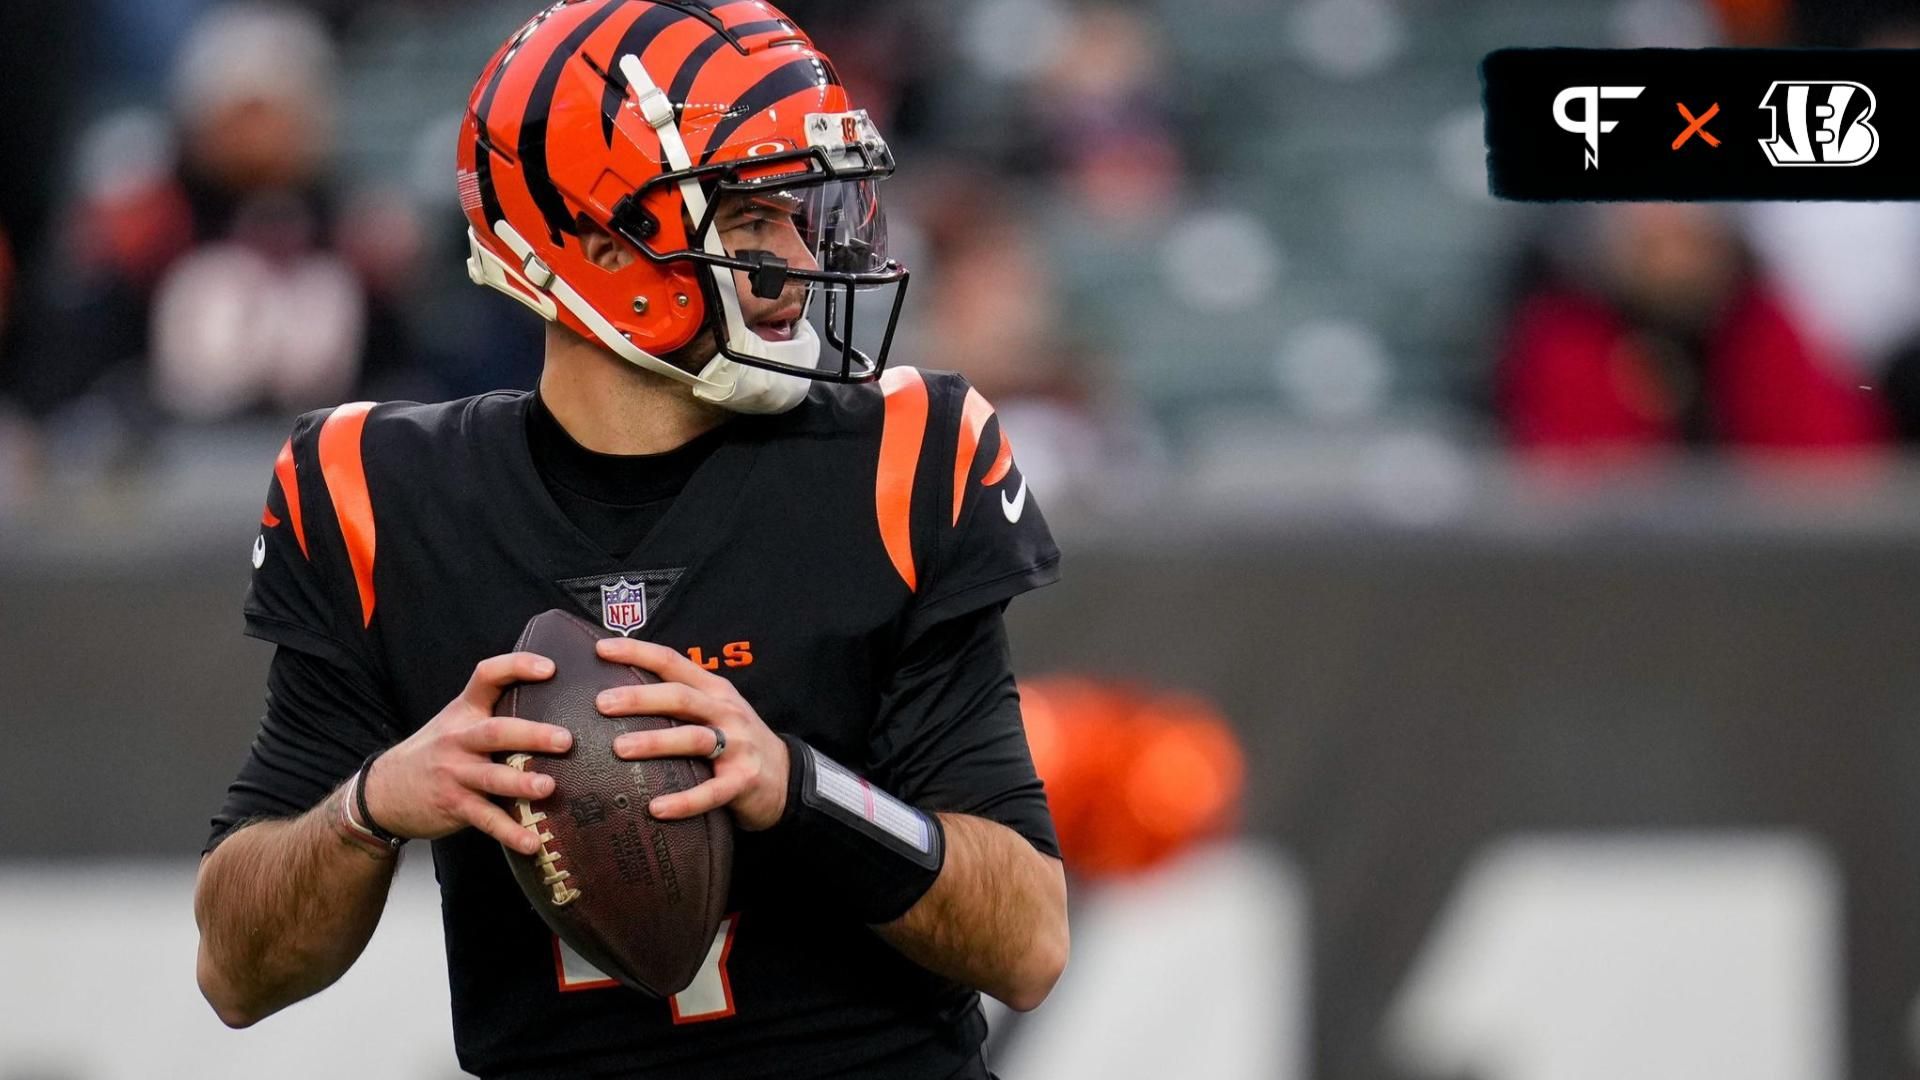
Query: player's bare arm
[[286, 906], [996, 917]]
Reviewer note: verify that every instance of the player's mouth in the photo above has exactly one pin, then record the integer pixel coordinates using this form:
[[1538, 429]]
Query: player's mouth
[[780, 325]]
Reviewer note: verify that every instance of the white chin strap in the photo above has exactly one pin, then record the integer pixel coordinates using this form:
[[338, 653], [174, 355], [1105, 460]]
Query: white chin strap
[[802, 351], [739, 387]]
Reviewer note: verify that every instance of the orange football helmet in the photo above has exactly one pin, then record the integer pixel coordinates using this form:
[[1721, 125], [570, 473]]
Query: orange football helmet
[[639, 116]]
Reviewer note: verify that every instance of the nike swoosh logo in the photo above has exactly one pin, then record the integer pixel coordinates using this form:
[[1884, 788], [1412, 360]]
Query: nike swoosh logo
[[1017, 505]]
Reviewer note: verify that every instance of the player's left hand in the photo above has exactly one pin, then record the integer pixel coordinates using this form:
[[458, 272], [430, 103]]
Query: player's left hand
[[749, 778]]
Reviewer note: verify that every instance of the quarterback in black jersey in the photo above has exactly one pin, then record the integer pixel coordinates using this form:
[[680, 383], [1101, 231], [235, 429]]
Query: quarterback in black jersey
[[813, 550]]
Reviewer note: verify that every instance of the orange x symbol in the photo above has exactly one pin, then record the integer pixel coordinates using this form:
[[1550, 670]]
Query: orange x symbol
[[1697, 125]]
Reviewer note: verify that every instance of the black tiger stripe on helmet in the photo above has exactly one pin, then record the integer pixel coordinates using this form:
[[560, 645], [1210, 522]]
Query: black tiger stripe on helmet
[[633, 42], [483, 115], [532, 143], [781, 83]]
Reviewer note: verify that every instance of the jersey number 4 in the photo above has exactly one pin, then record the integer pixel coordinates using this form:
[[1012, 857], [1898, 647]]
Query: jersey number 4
[[708, 997]]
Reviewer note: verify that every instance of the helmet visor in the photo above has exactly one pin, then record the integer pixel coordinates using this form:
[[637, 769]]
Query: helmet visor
[[839, 223], [829, 189]]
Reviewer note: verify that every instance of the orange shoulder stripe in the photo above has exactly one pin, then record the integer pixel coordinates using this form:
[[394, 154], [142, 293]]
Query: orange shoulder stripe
[[1002, 460], [346, 477], [283, 473], [902, 430], [973, 420]]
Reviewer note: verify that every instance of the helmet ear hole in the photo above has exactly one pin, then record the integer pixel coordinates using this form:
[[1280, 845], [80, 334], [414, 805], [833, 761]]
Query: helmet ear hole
[[602, 248]]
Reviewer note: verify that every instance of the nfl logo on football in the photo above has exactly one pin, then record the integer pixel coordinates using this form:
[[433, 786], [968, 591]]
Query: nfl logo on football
[[623, 605]]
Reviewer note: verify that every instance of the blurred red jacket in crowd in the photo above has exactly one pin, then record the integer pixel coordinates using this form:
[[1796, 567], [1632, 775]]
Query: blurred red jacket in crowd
[[1578, 376]]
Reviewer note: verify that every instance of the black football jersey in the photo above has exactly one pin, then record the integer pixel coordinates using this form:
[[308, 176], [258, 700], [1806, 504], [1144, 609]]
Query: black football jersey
[[813, 559]]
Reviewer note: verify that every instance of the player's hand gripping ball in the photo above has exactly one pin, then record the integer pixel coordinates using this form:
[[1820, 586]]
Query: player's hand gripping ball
[[640, 897], [750, 762]]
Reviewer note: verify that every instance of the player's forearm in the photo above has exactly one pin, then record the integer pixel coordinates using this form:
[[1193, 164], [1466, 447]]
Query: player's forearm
[[995, 919], [284, 908]]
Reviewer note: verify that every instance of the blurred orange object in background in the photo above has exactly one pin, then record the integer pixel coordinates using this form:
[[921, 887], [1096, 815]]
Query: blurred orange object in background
[[1754, 23], [1134, 774]]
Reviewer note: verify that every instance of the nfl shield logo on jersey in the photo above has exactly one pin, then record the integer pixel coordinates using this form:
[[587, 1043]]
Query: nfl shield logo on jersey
[[623, 605]]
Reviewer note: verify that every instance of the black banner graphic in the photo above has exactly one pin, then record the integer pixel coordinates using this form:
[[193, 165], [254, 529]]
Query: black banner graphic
[[1686, 124]]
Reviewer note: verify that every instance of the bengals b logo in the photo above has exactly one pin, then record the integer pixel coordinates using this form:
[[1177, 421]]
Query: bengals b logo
[[1820, 123]]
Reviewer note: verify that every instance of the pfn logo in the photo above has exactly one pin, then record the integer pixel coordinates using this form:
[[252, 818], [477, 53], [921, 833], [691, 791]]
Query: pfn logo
[[1589, 123], [1826, 124]]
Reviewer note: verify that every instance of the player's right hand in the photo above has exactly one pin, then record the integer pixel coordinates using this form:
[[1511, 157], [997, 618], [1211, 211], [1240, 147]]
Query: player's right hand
[[438, 780]]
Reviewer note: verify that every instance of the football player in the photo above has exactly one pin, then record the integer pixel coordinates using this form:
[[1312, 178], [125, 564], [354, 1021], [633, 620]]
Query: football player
[[812, 549]]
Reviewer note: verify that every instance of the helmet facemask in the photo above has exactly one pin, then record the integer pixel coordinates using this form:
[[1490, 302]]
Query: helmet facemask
[[827, 191]]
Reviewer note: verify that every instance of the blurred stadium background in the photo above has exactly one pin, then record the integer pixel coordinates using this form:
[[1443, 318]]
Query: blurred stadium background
[[1486, 649]]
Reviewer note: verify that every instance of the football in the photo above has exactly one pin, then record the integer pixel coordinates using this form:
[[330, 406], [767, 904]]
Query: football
[[639, 898]]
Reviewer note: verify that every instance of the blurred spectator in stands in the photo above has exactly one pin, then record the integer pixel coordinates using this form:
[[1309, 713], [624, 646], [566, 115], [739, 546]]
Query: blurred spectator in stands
[[39, 44], [1898, 235], [887, 54], [202, 276], [6, 281], [1852, 270], [1652, 330], [138, 40], [1845, 23], [992, 312], [1753, 23], [1105, 126], [14, 439]]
